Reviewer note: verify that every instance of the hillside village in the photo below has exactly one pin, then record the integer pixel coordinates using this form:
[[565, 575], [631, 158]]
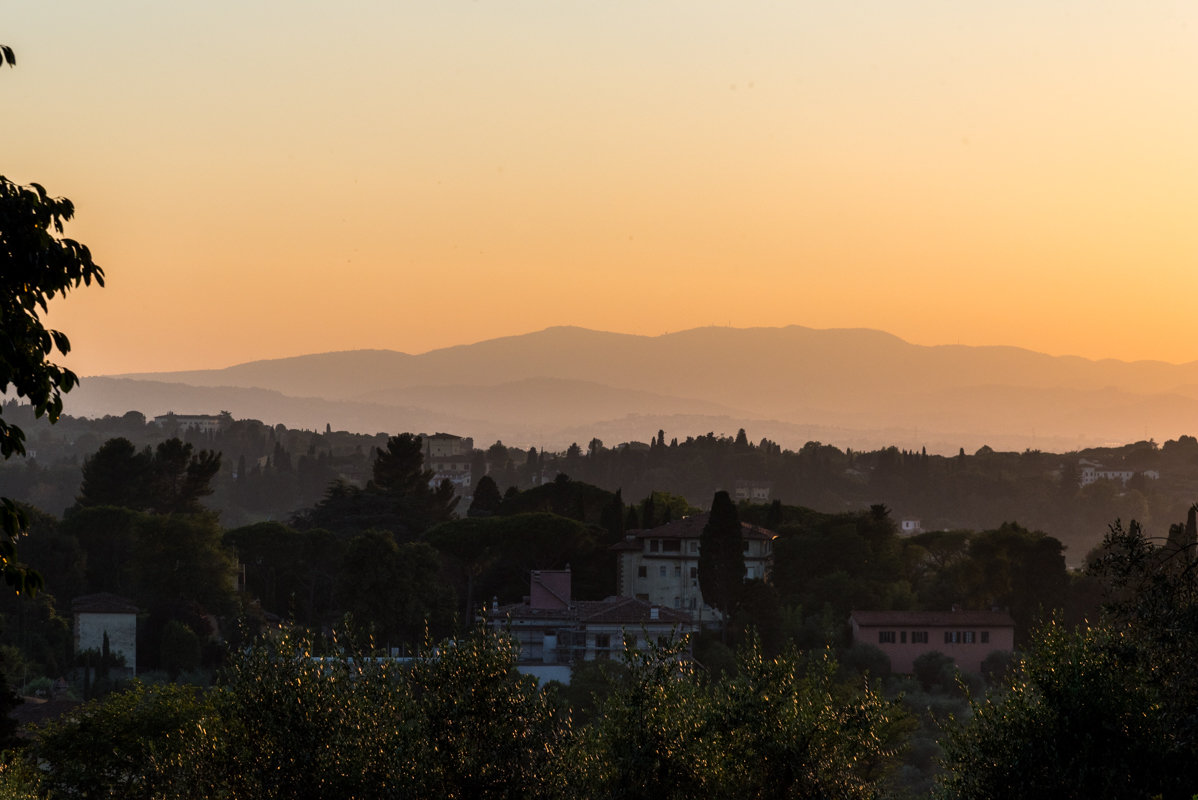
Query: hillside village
[[419, 537]]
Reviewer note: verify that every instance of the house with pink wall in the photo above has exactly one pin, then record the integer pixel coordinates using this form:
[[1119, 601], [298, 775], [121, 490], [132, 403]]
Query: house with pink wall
[[966, 637]]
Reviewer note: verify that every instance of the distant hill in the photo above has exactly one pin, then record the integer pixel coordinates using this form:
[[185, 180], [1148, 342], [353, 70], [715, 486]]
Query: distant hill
[[852, 388]]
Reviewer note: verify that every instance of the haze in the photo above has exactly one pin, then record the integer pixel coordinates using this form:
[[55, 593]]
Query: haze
[[265, 179]]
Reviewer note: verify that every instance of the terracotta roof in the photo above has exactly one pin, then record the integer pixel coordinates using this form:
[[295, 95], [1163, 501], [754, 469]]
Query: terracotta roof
[[103, 603], [934, 619], [628, 610], [521, 611], [692, 528]]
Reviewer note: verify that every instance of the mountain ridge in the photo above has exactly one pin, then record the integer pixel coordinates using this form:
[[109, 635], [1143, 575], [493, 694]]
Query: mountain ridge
[[853, 379]]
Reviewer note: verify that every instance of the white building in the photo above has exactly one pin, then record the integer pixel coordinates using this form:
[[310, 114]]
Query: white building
[[661, 565], [753, 491], [448, 456], [104, 613], [1092, 471]]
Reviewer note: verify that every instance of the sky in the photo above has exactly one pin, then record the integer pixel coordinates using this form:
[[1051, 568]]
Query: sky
[[263, 179]]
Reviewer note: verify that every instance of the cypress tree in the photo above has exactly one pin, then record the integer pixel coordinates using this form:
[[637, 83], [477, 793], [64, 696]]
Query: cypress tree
[[721, 555]]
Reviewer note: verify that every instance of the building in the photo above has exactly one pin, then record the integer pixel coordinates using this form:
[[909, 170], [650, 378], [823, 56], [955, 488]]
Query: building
[[661, 565], [181, 423], [753, 491], [966, 637], [555, 631], [1092, 471], [448, 457], [97, 615], [441, 445]]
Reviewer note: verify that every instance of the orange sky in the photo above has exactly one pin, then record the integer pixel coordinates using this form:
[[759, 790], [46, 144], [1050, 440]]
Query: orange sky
[[263, 179]]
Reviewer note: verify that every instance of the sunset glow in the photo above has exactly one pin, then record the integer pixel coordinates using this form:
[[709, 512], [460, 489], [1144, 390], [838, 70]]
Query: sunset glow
[[267, 179]]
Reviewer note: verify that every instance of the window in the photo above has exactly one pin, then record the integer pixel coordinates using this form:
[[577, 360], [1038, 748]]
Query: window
[[746, 543], [885, 637], [967, 637], [677, 601], [952, 637], [661, 571], [654, 545], [693, 603], [985, 637], [902, 637], [919, 637], [642, 572], [694, 547], [677, 570], [602, 645], [671, 546], [694, 572]]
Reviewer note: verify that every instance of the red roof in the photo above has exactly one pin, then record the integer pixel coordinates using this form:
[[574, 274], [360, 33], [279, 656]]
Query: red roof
[[628, 611]]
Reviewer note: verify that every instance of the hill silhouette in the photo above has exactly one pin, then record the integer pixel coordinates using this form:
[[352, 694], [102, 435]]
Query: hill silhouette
[[851, 387]]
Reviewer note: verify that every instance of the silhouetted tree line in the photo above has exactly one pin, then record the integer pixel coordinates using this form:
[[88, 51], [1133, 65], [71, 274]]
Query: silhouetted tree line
[[272, 473]]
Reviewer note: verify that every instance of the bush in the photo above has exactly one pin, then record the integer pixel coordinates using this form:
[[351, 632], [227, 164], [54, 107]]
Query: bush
[[996, 666], [150, 741], [935, 670], [179, 649], [865, 659]]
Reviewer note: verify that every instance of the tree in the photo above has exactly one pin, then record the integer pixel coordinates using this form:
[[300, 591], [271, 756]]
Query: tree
[[1105, 710], [169, 480], [721, 556], [162, 741], [394, 591], [400, 474], [649, 739], [179, 650], [399, 468], [181, 478], [1078, 718], [786, 729], [486, 498], [37, 264], [115, 475]]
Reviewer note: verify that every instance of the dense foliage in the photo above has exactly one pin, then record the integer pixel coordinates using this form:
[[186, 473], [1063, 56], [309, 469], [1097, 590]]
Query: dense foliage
[[37, 264], [269, 472], [458, 721], [1109, 709]]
